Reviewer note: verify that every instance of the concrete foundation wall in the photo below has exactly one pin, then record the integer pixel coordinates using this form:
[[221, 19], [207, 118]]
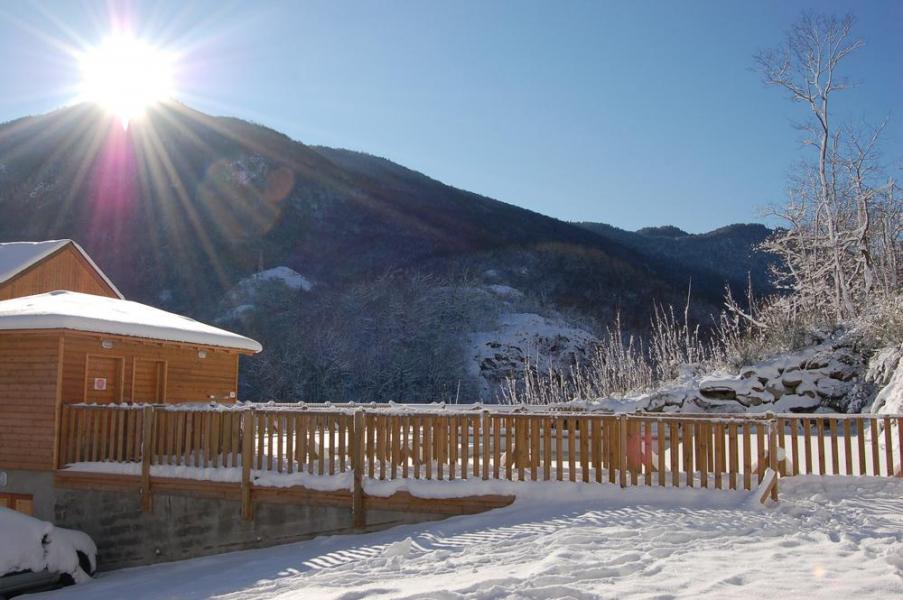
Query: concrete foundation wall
[[37, 483], [181, 527]]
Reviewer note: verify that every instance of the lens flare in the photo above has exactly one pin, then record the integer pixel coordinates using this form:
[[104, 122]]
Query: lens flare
[[126, 75]]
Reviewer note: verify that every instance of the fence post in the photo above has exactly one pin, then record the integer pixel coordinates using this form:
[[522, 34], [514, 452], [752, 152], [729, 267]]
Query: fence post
[[773, 455], [358, 511], [247, 457], [484, 429], [622, 449], [147, 448]]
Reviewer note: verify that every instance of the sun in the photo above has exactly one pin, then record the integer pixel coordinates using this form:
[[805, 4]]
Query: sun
[[126, 75]]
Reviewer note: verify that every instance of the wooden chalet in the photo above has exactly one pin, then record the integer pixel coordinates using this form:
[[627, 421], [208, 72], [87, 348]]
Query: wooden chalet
[[28, 268], [68, 336]]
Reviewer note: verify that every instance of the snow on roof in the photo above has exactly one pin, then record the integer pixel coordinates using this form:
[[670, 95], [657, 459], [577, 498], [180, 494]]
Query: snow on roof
[[98, 314], [15, 257]]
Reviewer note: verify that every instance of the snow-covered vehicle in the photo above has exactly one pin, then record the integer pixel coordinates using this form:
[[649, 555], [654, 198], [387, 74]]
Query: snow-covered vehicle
[[35, 555]]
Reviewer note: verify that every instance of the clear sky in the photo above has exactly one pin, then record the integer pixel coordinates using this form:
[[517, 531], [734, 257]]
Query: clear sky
[[630, 113]]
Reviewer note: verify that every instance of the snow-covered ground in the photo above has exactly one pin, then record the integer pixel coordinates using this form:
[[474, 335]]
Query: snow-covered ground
[[827, 538]]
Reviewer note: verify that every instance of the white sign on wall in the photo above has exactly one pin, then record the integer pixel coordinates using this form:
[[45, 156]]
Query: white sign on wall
[[100, 384]]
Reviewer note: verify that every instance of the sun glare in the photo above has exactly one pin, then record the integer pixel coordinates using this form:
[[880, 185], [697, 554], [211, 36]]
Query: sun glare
[[126, 75]]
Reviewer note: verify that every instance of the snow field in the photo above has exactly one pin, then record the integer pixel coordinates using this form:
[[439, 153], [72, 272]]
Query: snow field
[[827, 538]]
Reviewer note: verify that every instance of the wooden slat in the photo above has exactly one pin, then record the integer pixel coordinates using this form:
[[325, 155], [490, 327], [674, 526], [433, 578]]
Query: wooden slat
[[782, 442], [733, 442], [217, 439], [451, 445], [860, 441], [394, 426], [405, 423], [120, 434], [428, 446], [703, 444], [509, 446], [496, 446], [208, 433], [236, 438], [835, 454], [279, 425], [647, 451], [370, 450], [900, 445], [486, 426], [572, 439], [130, 435], [675, 454], [463, 455], [623, 451], [660, 435], [597, 447], [761, 452], [888, 448], [820, 431], [847, 448], [261, 436], [807, 444], [289, 443], [559, 448], [520, 453], [794, 446], [534, 448], [688, 446], [181, 418], [747, 457], [271, 442], [464, 440], [417, 424], [77, 446], [873, 434], [321, 445], [332, 426], [103, 436], [476, 423], [719, 454], [441, 443]]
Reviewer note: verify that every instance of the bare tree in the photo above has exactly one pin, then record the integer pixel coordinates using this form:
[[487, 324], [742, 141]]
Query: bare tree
[[839, 215]]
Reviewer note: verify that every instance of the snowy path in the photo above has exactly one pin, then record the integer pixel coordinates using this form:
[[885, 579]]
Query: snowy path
[[828, 538]]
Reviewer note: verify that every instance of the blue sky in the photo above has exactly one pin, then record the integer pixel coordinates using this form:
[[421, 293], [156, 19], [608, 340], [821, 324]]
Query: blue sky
[[630, 113]]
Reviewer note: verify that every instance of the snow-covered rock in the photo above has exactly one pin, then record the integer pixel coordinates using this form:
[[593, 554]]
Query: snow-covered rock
[[823, 377], [291, 278], [525, 338], [243, 296], [890, 399], [505, 291]]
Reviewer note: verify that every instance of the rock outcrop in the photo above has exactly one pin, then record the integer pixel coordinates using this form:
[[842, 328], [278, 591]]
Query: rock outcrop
[[830, 377]]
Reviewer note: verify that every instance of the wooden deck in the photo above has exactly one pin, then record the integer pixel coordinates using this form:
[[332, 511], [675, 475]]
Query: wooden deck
[[288, 453]]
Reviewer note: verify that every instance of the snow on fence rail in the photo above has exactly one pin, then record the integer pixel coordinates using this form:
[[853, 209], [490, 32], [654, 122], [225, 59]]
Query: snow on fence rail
[[435, 443]]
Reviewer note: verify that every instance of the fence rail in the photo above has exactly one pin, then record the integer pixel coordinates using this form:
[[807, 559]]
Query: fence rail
[[718, 452]]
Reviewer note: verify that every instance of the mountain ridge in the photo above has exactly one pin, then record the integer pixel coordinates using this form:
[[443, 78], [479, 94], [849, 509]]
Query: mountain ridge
[[182, 206]]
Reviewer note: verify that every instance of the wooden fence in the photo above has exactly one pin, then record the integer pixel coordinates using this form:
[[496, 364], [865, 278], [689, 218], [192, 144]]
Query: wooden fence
[[707, 451]]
